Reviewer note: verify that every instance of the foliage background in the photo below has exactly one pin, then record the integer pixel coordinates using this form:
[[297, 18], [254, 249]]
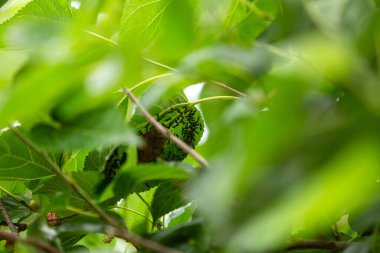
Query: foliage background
[[296, 158]]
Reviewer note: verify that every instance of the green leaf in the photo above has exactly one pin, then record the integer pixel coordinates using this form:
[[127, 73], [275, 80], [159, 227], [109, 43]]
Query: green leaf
[[101, 127], [34, 82], [227, 62], [140, 21], [177, 30], [55, 186], [57, 10], [167, 197], [138, 220], [248, 19], [14, 187], [132, 177], [75, 162], [10, 8], [19, 162], [180, 216], [96, 159], [16, 210], [35, 12]]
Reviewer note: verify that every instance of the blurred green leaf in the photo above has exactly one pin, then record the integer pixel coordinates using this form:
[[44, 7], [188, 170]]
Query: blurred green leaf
[[248, 19], [103, 126], [10, 63], [337, 191], [184, 215], [75, 162], [10, 8], [16, 210], [33, 12], [167, 197]]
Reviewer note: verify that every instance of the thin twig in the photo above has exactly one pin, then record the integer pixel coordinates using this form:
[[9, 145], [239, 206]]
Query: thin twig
[[165, 132], [8, 218], [226, 87], [12, 238]]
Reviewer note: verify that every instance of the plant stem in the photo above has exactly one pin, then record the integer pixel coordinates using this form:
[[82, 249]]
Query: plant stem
[[165, 132], [213, 98], [226, 87], [149, 80], [133, 211], [160, 64], [12, 238], [114, 43], [144, 201], [8, 218]]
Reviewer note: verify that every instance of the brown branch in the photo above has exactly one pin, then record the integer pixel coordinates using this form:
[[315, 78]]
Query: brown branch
[[317, 244], [165, 132], [8, 218], [12, 238]]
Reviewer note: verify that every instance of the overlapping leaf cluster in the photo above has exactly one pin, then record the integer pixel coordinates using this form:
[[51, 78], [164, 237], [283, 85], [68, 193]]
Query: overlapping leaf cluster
[[293, 158]]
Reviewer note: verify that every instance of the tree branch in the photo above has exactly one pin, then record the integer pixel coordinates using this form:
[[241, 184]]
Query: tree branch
[[8, 218], [317, 244], [12, 238], [165, 132]]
